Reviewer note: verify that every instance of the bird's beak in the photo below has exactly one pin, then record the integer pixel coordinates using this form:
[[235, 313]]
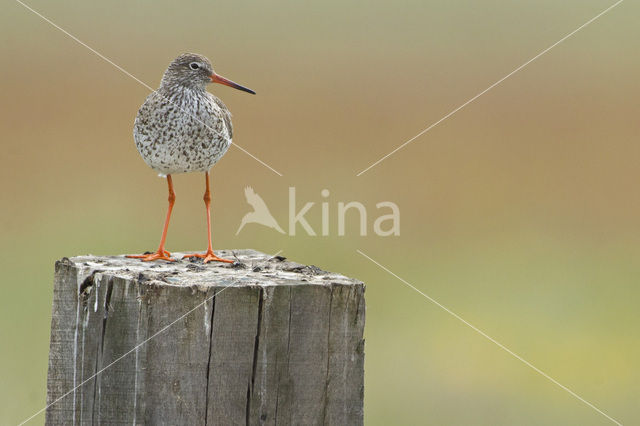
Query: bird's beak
[[215, 78]]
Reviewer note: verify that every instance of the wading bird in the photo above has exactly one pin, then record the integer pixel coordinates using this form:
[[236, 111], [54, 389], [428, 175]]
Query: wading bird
[[182, 128]]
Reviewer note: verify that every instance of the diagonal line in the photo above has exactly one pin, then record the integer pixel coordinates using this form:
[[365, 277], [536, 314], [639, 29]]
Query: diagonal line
[[85, 45], [490, 87], [500, 345], [135, 348], [256, 158], [76, 39]]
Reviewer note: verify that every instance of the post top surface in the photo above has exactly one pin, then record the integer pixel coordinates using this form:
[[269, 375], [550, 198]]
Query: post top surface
[[251, 267]]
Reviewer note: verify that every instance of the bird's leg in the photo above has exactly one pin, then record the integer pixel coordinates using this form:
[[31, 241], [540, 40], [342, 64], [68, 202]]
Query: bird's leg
[[161, 253], [209, 255]]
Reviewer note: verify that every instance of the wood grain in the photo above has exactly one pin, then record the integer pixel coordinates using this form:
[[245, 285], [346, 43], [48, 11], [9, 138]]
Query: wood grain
[[264, 341]]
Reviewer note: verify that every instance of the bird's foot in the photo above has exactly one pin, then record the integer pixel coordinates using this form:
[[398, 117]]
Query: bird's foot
[[209, 256], [159, 255]]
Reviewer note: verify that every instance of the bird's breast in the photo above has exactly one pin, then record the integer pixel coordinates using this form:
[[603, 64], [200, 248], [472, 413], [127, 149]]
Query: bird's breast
[[181, 132]]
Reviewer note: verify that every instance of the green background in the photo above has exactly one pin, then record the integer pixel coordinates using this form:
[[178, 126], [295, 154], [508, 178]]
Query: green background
[[520, 212]]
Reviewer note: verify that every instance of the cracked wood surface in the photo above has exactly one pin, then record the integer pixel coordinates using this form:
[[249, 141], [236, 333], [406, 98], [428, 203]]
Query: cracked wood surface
[[280, 343]]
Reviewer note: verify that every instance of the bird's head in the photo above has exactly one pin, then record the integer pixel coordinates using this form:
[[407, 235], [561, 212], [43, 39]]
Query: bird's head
[[195, 71]]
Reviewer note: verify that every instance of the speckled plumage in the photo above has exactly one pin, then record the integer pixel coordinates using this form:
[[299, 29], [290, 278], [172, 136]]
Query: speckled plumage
[[181, 127]]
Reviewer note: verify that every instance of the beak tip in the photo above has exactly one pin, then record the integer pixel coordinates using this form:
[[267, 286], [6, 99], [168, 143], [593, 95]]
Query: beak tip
[[219, 79]]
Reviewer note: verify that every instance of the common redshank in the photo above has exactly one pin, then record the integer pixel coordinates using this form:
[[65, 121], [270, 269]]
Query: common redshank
[[182, 128]]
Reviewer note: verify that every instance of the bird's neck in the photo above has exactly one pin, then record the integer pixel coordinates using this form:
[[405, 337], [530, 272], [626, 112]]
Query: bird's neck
[[181, 92]]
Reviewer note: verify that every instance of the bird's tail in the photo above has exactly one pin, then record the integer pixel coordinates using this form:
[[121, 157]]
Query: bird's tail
[[241, 226], [277, 227]]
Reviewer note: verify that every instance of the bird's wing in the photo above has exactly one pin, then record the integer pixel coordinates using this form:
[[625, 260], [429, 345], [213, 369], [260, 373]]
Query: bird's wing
[[226, 115], [255, 200]]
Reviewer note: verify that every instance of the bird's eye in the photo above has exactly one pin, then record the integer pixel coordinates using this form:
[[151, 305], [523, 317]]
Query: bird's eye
[[194, 66]]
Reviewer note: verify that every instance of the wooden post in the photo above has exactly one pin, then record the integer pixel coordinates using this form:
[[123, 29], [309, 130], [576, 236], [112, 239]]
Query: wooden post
[[261, 341]]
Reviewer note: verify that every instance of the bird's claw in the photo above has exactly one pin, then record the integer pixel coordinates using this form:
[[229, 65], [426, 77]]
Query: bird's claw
[[159, 255], [209, 256]]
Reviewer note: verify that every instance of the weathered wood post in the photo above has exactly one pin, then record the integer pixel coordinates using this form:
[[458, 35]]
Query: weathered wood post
[[262, 341]]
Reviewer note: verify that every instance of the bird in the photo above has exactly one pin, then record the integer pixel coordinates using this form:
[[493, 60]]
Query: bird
[[260, 213], [182, 128]]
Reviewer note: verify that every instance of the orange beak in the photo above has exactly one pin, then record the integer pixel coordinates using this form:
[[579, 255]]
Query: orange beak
[[215, 78]]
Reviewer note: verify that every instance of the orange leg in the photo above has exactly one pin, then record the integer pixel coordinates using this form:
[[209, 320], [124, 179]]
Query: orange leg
[[161, 254], [209, 255]]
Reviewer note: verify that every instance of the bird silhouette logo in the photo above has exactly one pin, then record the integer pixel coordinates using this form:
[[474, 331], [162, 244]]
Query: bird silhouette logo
[[260, 213]]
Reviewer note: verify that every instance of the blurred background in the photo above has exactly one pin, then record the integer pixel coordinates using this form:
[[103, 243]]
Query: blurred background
[[520, 213]]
